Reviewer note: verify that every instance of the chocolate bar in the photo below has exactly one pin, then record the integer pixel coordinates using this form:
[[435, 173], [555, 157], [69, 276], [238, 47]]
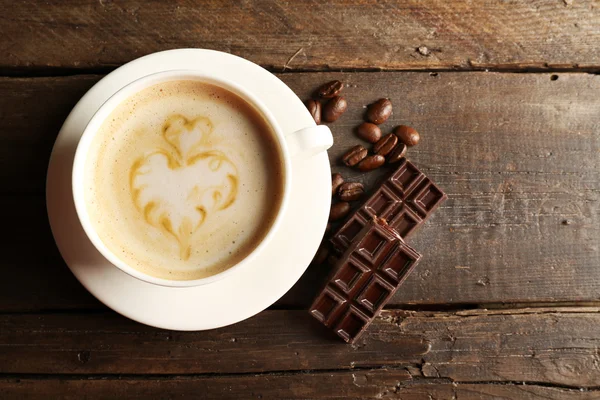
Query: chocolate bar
[[364, 279], [405, 200]]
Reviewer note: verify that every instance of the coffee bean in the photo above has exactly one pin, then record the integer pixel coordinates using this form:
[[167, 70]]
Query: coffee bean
[[334, 108], [368, 132], [339, 210], [354, 155], [321, 255], [351, 191], [330, 89], [379, 111], [407, 135], [397, 154], [386, 144], [336, 181], [314, 108], [372, 162]]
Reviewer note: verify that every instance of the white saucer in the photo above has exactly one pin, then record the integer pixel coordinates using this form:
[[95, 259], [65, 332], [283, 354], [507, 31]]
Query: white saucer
[[227, 301]]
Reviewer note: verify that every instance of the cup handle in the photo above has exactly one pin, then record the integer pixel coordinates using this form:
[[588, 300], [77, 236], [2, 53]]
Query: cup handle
[[309, 141]]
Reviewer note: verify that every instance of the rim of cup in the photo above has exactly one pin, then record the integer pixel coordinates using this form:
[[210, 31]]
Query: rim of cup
[[78, 171]]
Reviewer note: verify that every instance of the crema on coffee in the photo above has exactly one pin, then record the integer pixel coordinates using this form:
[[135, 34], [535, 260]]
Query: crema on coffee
[[183, 180]]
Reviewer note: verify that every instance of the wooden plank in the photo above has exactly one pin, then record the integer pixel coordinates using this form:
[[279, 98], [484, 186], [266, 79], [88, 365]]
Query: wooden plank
[[517, 154], [307, 35], [32, 111], [427, 391], [370, 384], [39, 278], [106, 343], [546, 346], [556, 346]]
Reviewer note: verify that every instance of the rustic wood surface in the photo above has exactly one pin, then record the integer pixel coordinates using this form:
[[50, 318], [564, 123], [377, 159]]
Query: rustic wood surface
[[516, 153], [307, 34], [471, 346], [506, 302], [343, 385]]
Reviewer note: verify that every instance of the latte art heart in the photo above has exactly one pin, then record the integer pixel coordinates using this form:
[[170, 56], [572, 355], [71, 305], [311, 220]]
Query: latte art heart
[[177, 187]]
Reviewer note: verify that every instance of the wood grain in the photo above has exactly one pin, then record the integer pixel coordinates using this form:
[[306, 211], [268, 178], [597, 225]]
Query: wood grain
[[518, 390], [32, 111], [306, 35], [550, 346], [39, 278], [554, 345], [371, 384], [107, 343], [517, 154]]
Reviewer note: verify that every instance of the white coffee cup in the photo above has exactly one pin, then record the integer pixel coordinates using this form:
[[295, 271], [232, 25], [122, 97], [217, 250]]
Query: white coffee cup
[[303, 143]]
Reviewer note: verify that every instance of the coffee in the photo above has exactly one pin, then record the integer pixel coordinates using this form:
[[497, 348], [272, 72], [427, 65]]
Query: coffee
[[183, 180]]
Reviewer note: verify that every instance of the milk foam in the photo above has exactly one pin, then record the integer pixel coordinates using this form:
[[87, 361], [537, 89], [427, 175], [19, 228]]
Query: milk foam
[[184, 180]]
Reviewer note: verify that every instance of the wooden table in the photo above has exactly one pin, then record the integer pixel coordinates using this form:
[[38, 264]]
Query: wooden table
[[505, 303]]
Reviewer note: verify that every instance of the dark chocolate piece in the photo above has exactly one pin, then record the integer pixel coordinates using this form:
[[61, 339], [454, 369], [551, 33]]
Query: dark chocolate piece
[[364, 279], [405, 200]]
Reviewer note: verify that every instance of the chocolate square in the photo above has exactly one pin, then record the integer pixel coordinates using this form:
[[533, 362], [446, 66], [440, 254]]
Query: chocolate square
[[399, 263], [350, 275], [352, 324], [349, 231], [375, 245], [405, 179], [327, 306], [382, 203], [375, 294], [426, 198], [405, 221]]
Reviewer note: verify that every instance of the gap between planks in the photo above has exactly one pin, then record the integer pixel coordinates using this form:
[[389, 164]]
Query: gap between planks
[[429, 309], [410, 380], [51, 72]]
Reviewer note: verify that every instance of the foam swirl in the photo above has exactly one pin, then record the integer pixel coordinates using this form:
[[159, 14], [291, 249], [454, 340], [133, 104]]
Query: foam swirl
[[162, 190]]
